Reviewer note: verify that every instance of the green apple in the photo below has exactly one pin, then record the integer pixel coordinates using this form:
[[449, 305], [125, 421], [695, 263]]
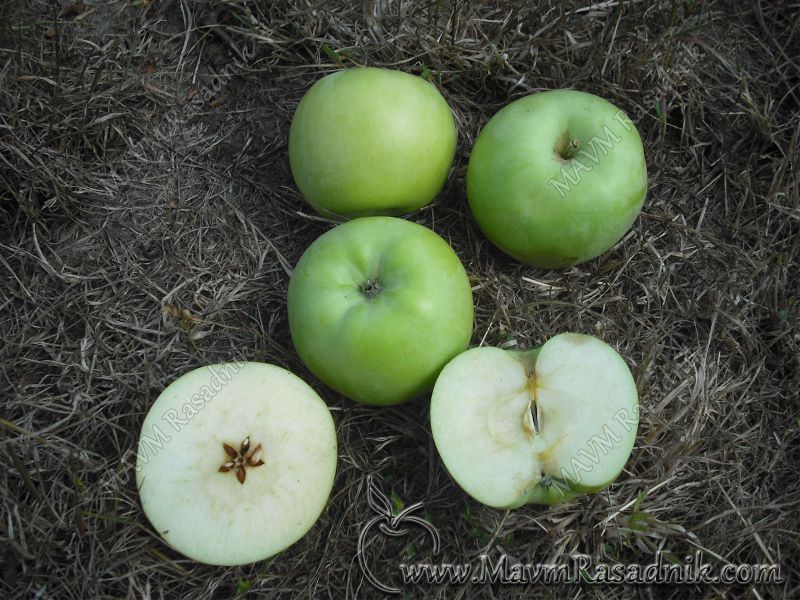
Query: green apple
[[377, 306], [367, 141], [235, 462], [540, 426], [557, 178]]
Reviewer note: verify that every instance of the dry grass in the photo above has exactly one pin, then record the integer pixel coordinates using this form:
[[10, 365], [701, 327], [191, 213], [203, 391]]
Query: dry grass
[[142, 235]]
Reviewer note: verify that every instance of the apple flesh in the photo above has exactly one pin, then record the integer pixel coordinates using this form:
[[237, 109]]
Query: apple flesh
[[377, 306], [368, 141], [540, 426], [557, 178], [257, 496]]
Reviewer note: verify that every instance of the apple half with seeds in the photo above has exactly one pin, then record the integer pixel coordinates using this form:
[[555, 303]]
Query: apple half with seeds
[[235, 462], [538, 426]]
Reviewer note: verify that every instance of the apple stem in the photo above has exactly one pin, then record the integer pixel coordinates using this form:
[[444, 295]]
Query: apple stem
[[571, 149]]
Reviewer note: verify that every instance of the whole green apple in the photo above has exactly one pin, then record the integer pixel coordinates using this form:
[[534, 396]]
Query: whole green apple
[[557, 178], [377, 306], [368, 141], [540, 426]]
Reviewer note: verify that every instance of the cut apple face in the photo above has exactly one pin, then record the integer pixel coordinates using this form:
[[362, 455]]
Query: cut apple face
[[236, 462], [538, 426]]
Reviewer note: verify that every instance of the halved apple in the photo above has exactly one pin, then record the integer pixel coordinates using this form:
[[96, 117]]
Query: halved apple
[[538, 426], [236, 462]]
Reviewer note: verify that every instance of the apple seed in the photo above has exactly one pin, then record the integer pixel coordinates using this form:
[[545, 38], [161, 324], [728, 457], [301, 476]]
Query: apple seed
[[241, 459]]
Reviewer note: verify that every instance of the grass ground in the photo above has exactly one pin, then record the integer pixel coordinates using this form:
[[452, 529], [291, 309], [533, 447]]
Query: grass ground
[[148, 221]]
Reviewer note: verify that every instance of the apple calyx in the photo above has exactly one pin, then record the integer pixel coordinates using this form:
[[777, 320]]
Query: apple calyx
[[548, 481], [370, 288], [239, 460]]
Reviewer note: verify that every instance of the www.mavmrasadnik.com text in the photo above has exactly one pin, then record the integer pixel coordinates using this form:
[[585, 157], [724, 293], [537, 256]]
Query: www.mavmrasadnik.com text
[[692, 570]]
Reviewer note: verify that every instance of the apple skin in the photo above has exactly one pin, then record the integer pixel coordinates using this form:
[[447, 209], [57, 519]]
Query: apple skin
[[545, 210], [387, 347], [369, 141]]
